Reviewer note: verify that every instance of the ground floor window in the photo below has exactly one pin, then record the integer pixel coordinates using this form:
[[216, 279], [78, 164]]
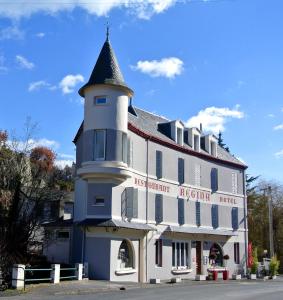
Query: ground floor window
[[125, 256], [181, 255], [237, 253], [158, 253]]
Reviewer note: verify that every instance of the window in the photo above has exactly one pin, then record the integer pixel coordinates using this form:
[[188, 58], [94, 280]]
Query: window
[[214, 216], [234, 183], [124, 147], [213, 148], [181, 255], [198, 218], [158, 208], [125, 256], [197, 175], [158, 164], [196, 142], [179, 136], [99, 144], [181, 170], [181, 211], [129, 203], [158, 253], [237, 253], [98, 201], [130, 153], [214, 179], [62, 234], [235, 221], [100, 100]]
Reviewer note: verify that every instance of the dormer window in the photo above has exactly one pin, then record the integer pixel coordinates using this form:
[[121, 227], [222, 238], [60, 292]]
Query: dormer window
[[179, 136], [194, 138], [210, 144], [177, 132], [100, 100]]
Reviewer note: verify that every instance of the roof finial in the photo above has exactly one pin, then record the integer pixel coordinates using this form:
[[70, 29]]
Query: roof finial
[[107, 31]]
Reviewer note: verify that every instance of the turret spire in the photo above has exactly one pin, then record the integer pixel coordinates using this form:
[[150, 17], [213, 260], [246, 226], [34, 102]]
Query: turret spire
[[107, 31]]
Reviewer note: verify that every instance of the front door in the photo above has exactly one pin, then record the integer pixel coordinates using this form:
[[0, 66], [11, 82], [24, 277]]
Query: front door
[[198, 257]]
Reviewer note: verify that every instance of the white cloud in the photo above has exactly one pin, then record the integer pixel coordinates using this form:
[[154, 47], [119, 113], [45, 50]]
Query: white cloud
[[63, 155], [166, 67], [279, 154], [11, 32], [144, 9], [40, 35], [24, 63], [270, 115], [32, 143], [68, 83], [62, 163], [37, 85], [278, 127], [213, 119]]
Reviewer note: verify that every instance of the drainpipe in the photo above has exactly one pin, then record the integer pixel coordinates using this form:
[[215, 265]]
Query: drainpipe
[[146, 246], [245, 220]]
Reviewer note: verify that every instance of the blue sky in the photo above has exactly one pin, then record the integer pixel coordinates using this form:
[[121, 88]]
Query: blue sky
[[215, 62]]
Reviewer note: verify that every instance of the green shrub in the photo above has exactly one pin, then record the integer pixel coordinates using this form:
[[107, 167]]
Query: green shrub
[[274, 266], [254, 265]]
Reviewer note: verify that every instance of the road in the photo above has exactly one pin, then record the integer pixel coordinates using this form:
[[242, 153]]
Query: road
[[245, 290]]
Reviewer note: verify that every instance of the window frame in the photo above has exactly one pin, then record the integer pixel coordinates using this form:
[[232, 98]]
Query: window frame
[[98, 204], [237, 253], [95, 158], [181, 255], [100, 97]]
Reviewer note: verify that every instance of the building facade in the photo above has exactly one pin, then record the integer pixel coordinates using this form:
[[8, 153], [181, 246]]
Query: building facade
[[153, 199]]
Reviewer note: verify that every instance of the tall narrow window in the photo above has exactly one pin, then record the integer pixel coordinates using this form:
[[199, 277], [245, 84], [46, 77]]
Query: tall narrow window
[[237, 253], [99, 144], [214, 179], [181, 170], [158, 208], [158, 164], [181, 255], [197, 175], [198, 218], [179, 136], [235, 218], [158, 253], [181, 211], [124, 147], [234, 183], [214, 216], [130, 153], [129, 203]]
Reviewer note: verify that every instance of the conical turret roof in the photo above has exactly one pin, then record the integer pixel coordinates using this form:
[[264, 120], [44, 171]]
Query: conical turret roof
[[106, 70]]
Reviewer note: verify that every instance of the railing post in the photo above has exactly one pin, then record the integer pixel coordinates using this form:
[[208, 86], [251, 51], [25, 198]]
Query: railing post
[[18, 277], [55, 273], [79, 271], [86, 270]]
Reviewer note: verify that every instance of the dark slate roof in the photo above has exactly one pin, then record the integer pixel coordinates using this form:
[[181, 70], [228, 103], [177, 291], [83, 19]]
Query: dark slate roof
[[114, 224], [59, 223], [148, 123], [106, 70]]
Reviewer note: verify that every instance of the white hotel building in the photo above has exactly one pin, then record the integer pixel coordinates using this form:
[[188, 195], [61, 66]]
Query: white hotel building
[[153, 198]]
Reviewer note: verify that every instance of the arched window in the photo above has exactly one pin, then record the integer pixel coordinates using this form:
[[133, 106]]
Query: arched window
[[125, 256], [216, 255]]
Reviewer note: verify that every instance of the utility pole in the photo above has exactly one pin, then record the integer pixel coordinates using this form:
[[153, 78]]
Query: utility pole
[[270, 216]]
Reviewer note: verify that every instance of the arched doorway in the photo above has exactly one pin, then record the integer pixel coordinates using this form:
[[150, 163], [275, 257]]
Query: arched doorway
[[126, 256], [216, 255]]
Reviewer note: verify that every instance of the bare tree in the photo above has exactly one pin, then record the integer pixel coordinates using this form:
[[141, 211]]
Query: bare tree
[[26, 185]]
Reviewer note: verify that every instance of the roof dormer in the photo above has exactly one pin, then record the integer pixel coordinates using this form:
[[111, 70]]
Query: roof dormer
[[177, 132], [192, 137], [209, 144]]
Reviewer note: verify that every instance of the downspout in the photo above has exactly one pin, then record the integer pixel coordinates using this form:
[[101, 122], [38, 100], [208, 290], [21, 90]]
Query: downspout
[[146, 246], [245, 221]]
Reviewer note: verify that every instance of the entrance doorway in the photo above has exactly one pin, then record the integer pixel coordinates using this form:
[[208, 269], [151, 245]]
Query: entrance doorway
[[216, 255], [198, 257]]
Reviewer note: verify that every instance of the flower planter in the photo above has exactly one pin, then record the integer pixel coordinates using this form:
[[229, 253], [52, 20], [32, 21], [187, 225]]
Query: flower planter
[[253, 276], [236, 277]]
